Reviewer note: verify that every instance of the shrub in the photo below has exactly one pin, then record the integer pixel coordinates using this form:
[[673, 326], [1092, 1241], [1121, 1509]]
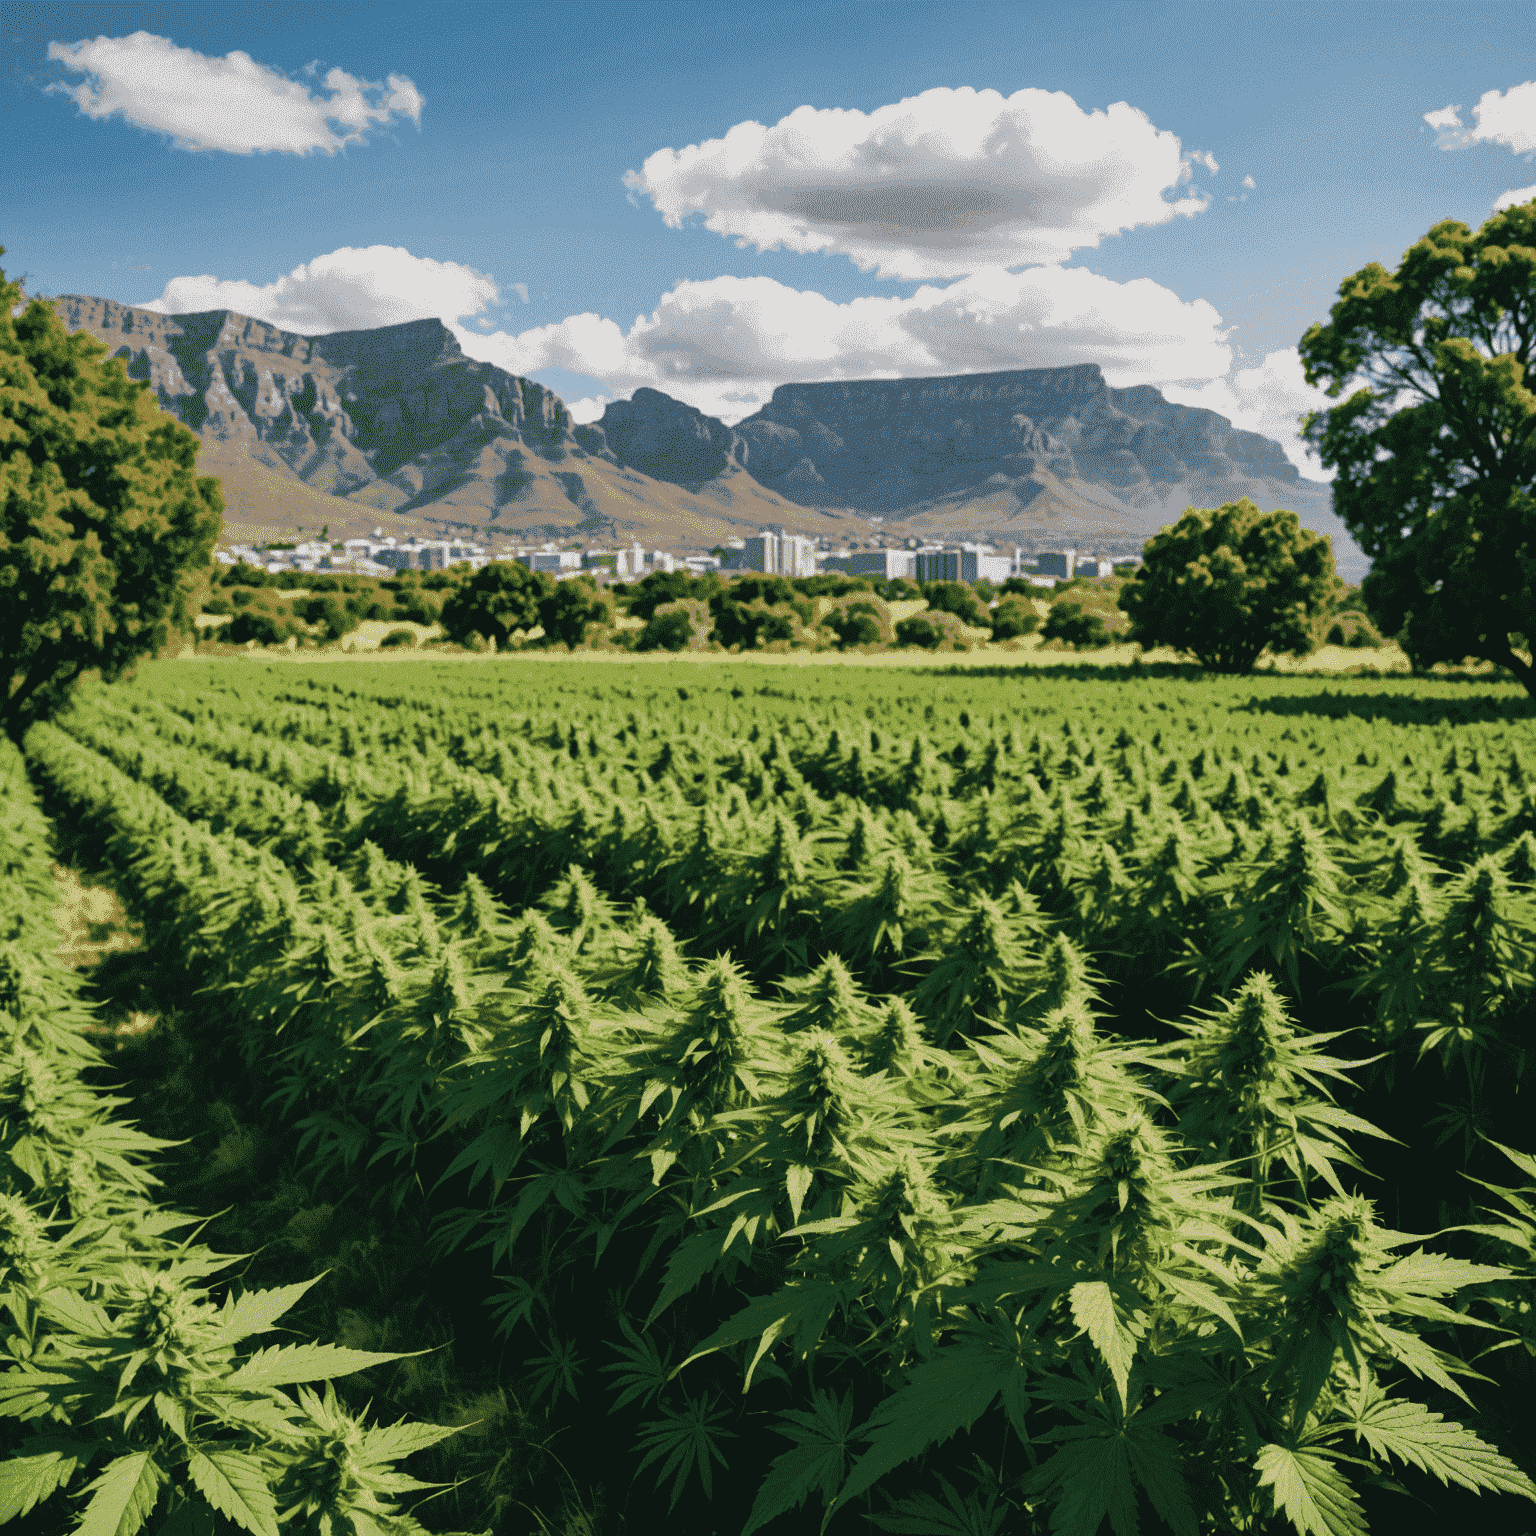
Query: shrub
[[683, 625], [957, 598], [417, 605], [662, 587], [932, 630], [263, 617], [499, 599], [335, 615], [1085, 616], [759, 622], [1014, 616], [397, 637], [576, 612], [859, 618]]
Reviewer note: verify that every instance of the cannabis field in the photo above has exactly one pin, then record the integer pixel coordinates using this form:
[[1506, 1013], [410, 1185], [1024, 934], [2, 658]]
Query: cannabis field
[[727, 1100]]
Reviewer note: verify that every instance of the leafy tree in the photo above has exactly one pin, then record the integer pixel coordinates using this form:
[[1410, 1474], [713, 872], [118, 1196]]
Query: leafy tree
[[931, 630], [1229, 582], [684, 625], [574, 612], [860, 618], [669, 587], [1014, 616], [499, 599], [106, 531], [1435, 437], [957, 598], [1085, 616]]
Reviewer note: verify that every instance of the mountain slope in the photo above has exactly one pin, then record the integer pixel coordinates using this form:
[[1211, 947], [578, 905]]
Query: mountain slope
[[1046, 453], [395, 427]]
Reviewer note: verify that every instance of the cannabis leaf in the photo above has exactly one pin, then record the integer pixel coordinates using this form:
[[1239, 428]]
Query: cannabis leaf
[[684, 1439], [1310, 1491], [815, 1464]]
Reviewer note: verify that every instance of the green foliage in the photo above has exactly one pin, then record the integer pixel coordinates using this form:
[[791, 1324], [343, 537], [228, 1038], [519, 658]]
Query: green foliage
[[1014, 616], [683, 625], [958, 598], [1085, 618], [859, 619], [500, 599], [106, 531], [933, 631], [835, 1039], [1432, 436], [577, 612], [1229, 583]]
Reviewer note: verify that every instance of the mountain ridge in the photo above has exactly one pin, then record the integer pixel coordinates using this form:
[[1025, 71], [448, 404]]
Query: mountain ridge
[[394, 426], [1019, 453]]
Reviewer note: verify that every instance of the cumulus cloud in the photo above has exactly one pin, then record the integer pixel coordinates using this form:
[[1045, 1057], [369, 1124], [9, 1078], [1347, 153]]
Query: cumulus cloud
[[1249, 182], [943, 184], [1500, 117], [724, 344], [1513, 199], [1270, 399], [232, 104], [346, 290]]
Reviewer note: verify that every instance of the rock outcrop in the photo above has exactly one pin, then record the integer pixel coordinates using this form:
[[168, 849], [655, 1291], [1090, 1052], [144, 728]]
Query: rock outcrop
[[398, 423], [1053, 452]]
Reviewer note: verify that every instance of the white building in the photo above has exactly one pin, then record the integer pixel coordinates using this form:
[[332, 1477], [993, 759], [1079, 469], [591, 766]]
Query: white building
[[779, 554], [961, 565]]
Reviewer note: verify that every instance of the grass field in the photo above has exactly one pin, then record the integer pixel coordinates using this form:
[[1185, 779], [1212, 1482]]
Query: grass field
[[941, 1054]]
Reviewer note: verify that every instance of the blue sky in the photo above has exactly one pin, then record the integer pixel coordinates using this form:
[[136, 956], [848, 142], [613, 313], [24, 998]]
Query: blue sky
[[957, 190]]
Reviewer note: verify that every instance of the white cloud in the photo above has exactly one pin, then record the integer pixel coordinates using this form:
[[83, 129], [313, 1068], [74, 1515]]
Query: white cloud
[[521, 290], [938, 185], [723, 344], [1502, 117], [1270, 399], [1204, 157], [1249, 182], [346, 290], [1513, 199], [232, 104]]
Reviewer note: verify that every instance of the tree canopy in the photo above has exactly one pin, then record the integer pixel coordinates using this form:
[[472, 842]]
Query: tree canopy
[[106, 530], [1228, 583], [499, 599], [1435, 440]]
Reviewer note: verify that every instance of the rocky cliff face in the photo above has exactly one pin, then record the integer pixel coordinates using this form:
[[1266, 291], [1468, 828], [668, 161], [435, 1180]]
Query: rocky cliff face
[[397, 420], [1053, 451], [891, 445]]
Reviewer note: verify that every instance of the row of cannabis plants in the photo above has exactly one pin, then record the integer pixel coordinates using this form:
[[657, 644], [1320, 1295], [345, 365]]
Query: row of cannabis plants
[[133, 1390], [948, 1229]]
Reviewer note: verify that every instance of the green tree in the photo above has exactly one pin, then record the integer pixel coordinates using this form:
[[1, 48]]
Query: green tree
[[1226, 584], [1435, 438], [1014, 616], [499, 599], [575, 611], [957, 598], [106, 531]]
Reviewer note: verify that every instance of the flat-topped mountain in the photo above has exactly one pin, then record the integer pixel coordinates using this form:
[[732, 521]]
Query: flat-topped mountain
[[396, 426], [1029, 452]]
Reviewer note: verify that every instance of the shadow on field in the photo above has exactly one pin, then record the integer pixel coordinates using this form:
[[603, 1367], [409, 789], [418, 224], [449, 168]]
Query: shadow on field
[[1080, 671], [1399, 708]]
